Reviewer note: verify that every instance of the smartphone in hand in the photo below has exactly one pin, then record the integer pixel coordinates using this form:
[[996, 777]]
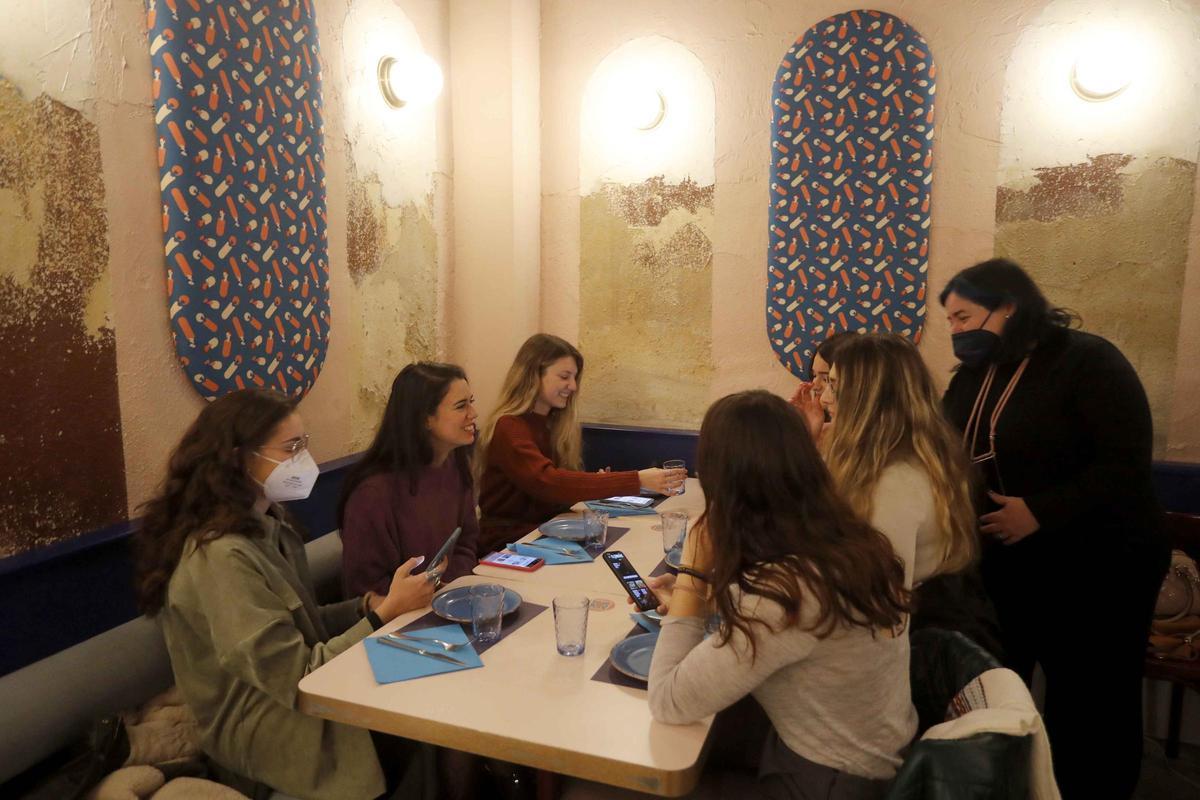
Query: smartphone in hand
[[435, 566], [643, 598]]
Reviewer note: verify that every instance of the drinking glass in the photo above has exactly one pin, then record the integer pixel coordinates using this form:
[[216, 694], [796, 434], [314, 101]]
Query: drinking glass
[[597, 528], [570, 623], [677, 463], [487, 607], [674, 528]]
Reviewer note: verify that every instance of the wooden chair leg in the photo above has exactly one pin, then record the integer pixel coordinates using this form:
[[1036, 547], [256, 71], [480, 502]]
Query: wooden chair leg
[[547, 785], [1173, 720]]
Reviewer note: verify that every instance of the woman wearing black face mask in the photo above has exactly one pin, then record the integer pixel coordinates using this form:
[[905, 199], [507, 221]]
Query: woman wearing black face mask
[[1057, 424]]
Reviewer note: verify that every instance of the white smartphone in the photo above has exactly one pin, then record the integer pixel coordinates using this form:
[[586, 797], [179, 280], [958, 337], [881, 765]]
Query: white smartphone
[[626, 500]]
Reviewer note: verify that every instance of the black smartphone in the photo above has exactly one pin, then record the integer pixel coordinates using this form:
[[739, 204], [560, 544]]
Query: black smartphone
[[643, 598]]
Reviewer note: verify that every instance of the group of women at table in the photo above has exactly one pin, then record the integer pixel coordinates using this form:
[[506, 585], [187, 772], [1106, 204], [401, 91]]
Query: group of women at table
[[833, 526]]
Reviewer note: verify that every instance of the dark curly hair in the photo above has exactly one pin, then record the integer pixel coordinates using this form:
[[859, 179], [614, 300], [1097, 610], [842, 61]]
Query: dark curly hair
[[208, 491]]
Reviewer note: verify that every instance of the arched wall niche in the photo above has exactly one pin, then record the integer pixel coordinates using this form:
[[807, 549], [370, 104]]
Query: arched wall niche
[[646, 220], [1096, 198]]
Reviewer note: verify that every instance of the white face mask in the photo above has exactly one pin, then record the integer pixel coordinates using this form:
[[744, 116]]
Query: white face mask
[[292, 479]]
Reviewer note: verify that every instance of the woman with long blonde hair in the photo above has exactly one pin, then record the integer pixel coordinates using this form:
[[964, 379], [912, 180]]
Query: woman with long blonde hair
[[900, 465], [896, 459], [530, 455]]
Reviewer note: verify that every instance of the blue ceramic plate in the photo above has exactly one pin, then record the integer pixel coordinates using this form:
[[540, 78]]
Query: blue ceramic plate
[[455, 604], [674, 557], [568, 529], [632, 656]]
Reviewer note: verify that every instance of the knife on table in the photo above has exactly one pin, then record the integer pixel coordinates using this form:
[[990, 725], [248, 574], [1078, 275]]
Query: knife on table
[[420, 651]]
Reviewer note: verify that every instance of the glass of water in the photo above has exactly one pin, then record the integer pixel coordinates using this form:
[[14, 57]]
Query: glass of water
[[487, 607], [674, 528], [597, 528], [570, 623], [677, 463]]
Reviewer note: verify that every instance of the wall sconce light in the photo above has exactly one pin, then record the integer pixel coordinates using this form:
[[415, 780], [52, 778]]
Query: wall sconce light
[[645, 107], [1101, 72], [414, 80]]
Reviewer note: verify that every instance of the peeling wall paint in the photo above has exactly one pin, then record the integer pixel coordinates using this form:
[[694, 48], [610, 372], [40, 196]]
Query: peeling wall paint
[[646, 303], [392, 258], [1108, 238], [62, 468]]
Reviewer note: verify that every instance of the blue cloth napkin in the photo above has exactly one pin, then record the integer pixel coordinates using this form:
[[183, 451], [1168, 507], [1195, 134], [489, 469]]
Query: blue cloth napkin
[[619, 511], [649, 623], [391, 664], [578, 554]]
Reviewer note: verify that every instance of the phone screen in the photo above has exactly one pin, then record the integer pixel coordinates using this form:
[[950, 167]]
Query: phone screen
[[506, 559], [643, 598]]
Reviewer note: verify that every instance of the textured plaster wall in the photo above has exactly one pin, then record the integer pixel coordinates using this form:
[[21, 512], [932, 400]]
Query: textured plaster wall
[[739, 46], [396, 308], [61, 461], [645, 288], [1096, 199], [645, 270], [83, 319]]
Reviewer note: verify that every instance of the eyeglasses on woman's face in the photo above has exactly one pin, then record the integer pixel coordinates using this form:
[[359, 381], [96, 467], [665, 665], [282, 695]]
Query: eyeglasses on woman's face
[[293, 447]]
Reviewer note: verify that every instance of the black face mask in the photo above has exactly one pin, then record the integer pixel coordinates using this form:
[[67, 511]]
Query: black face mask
[[973, 347]]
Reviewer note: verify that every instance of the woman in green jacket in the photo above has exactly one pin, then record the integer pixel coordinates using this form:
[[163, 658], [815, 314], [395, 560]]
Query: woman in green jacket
[[224, 570]]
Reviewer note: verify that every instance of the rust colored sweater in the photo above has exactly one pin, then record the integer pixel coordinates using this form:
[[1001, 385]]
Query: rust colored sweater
[[522, 487]]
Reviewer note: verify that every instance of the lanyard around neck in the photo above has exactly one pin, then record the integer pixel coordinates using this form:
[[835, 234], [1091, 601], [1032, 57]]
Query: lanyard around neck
[[975, 421]]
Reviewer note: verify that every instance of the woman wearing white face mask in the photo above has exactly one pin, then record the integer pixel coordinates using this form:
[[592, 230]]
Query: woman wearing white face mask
[[223, 568]]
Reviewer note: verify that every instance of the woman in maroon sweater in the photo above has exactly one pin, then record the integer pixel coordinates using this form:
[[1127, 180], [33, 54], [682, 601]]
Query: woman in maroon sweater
[[531, 452], [413, 486]]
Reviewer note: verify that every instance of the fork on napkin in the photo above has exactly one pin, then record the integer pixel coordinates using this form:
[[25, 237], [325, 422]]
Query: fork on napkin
[[554, 551]]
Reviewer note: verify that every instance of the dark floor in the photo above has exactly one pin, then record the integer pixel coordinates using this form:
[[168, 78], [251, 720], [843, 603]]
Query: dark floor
[[1176, 779]]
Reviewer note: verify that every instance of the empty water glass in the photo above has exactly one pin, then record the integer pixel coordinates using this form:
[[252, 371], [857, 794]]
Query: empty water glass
[[487, 607], [596, 523], [570, 623], [674, 529], [677, 463]]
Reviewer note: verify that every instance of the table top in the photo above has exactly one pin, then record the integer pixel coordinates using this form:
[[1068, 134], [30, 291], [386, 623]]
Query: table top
[[527, 705], [642, 545]]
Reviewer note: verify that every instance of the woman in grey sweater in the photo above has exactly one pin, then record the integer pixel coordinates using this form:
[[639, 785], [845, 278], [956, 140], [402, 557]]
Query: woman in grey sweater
[[812, 605]]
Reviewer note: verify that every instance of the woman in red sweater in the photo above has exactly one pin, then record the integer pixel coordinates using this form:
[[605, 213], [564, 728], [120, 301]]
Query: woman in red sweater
[[413, 486], [530, 455]]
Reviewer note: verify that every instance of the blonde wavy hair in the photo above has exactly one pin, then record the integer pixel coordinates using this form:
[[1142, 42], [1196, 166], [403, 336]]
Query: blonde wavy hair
[[523, 384], [888, 411]]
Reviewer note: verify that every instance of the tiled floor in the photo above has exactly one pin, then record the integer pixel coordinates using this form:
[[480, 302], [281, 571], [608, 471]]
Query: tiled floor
[[1176, 779]]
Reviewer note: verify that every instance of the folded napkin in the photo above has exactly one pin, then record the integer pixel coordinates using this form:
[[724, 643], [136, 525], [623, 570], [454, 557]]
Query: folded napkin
[[577, 556], [390, 664], [619, 510]]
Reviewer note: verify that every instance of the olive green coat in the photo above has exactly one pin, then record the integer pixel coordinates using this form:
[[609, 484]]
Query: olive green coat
[[242, 629]]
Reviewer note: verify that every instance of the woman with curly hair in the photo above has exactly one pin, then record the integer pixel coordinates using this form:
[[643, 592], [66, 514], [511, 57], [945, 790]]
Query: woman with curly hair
[[223, 567]]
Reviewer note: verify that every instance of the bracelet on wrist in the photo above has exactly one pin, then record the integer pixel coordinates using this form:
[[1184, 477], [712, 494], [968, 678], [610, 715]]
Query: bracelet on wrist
[[703, 595], [684, 569]]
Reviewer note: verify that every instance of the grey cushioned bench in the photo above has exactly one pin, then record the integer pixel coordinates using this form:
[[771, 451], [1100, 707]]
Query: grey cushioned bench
[[50, 703]]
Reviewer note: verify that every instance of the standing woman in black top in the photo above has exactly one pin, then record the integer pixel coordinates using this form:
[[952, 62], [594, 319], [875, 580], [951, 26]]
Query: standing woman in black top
[[1058, 427]]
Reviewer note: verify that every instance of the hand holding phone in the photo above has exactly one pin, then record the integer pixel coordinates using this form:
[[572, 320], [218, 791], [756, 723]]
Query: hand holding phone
[[639, 592], [438, 565]]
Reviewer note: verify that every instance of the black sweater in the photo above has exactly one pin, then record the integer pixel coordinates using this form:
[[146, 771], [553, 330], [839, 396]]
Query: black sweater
[[1074, 441]]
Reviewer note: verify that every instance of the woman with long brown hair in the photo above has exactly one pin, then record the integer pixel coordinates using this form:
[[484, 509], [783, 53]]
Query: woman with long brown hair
[[530, 455], [413, 486], [812, 606], [223, 567]]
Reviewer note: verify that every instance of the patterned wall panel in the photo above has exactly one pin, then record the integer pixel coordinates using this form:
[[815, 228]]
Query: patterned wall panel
[[237, 95], [851, 151]]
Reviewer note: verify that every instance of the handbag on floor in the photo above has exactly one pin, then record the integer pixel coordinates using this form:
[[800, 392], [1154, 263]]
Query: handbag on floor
[[1175, 631]]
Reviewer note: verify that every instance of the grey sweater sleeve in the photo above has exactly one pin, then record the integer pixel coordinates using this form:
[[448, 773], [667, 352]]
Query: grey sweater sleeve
[[691, 678]]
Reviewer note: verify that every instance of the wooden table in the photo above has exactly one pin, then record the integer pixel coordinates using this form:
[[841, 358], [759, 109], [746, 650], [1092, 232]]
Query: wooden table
[[527, 705], [642, 546]]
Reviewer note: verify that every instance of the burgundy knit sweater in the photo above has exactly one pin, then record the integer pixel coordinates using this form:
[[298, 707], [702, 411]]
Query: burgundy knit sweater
[[522, 487]]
